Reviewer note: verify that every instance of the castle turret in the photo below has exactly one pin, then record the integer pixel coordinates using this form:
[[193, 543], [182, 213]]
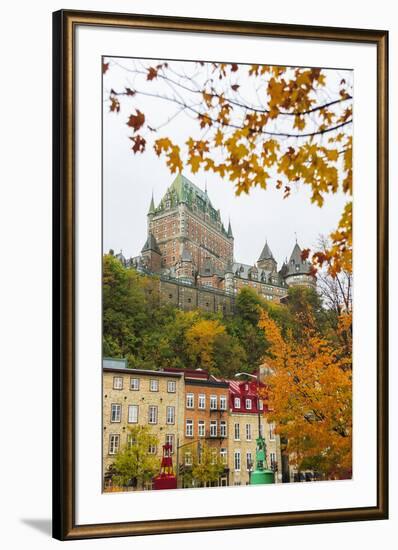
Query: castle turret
[[266, 260], [151, 254], [229, 232], [185, 269], [298, 271], [229, 279]]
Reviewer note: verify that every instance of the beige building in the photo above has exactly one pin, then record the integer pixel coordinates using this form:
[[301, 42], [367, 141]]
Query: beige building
[[243, 432], [140, 397]]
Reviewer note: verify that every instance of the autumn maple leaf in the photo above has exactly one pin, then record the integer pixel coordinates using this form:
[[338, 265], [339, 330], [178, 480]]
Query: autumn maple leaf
[[136, 121]]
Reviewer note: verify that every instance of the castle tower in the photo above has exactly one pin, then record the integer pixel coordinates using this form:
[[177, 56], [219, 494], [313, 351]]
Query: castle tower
[[151, 254], [185, 268], [186, 219], [229, 279], [298, 271], [266, 260]]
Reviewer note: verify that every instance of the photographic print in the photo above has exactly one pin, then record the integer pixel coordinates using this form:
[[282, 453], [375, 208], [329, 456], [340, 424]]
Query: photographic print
[[227, 274]]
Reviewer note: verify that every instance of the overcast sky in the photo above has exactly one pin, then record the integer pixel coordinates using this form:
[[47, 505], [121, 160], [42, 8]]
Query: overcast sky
[[129, 181]]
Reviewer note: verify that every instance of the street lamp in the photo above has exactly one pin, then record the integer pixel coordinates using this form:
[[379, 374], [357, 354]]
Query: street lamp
[[261, 475]]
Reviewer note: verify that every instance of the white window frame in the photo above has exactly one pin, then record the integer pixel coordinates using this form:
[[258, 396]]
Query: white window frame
[[213, 402], [223, 428], [237, 463], [116, 407], [152, 449], [213, 428], [134, 384], [249, 454], [188, 458], [189, 424], [237, 431], [260, 404], [113, 447], [224, 455], [129, 415], [130, 441], [248, 404], [152, 408], [237, 402], [190, 401], [201, 428], [171, 386], [272, 431], [118, 382], [223, 403], [248, 432], [170, 414], [153, 384], [272, 459], [201, 401]]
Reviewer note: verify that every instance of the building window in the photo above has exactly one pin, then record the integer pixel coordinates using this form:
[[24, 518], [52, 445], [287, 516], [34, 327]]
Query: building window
[[134, 384], [237, 432], [213, 428], [133, 414], [188, 459], [131, 440], [189, 428], [171, 386], [201, 401], [170, 441], [201, 428], [260, 405], [154, 385], [272, 459], [248, 404], [223, 455], [189, 401], [116, 412], [152, 449], [237, 461], [170, 415], [213, 402], [261, 430], [152, 414], [117, 383], [114, 443], [237, 403], [223, 403], [272, 431], [249, 461], [223, 428], [248, 432]]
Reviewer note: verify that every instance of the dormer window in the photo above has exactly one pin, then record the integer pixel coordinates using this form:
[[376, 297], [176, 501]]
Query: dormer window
[[237, 403]]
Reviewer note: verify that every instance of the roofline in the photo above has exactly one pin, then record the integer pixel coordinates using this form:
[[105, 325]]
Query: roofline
[[127, 370], [210, 383]]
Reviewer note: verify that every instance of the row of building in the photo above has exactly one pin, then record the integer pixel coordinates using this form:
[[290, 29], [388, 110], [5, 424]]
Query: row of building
[[185, 408]]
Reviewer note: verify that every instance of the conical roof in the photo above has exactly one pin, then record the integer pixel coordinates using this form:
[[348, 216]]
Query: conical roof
[[296, 264], [266, 253], [229, 232], [151, 244], [151, 206]]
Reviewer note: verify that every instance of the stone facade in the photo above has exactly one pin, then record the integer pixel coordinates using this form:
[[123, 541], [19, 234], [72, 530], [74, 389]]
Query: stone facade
[[187, 245], [134, 396]]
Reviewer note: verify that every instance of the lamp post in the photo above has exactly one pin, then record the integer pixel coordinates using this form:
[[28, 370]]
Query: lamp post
[[261, 475]]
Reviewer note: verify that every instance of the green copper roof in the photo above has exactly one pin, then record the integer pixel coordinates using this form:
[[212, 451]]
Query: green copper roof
[[182, 190]]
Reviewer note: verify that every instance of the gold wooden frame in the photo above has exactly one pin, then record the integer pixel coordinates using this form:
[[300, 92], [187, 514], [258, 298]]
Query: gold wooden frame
[[64, 25]]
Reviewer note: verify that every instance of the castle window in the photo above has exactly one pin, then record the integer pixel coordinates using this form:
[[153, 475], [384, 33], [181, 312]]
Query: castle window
[[170, 296]]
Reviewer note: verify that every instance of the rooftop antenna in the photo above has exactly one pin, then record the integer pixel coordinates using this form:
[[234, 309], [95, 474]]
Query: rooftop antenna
[[295, 234]]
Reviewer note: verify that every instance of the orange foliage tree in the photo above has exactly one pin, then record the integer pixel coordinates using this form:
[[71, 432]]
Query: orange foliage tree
[[309, 393], [257, 125]]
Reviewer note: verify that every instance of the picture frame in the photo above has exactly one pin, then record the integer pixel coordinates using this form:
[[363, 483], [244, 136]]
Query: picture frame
[[68, 302]]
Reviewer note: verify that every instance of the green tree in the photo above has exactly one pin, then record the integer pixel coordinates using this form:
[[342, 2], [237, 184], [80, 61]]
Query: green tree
[[133, 463], [207, 465]]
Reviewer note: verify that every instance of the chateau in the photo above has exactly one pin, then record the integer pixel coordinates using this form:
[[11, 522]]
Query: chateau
[[190, 250]]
